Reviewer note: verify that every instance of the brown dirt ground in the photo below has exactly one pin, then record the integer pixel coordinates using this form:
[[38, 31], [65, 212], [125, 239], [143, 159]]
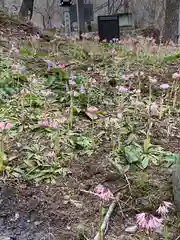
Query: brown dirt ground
[[62, 211]]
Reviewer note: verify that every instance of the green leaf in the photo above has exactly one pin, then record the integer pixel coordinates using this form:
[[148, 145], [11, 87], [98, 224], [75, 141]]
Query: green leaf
[[51, 80], [172, 158], [132, 154], [76, 109], [131, 138], [146, 145], [103, 211], [145, 162]]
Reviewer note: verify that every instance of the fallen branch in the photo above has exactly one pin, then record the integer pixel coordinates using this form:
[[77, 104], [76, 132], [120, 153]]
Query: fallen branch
[[105, 224]]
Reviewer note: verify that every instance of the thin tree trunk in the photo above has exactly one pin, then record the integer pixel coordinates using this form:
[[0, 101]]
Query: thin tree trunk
[[171, 21], [26, 6]]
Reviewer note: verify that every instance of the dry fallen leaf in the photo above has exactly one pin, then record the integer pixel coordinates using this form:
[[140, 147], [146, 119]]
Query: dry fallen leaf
[[91, 112], [92, 116]]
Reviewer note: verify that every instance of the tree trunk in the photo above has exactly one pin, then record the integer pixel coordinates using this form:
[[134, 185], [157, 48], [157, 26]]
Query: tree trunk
[[171, 21], [26, 7]]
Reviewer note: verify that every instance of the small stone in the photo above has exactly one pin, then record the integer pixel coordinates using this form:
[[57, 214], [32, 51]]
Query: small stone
[[66, 197], [131, 229], [36, 223], [4, 238], [76, 203], [65, 202], [15, 218]]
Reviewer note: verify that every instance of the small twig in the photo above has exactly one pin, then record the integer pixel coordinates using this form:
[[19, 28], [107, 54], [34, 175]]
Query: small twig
[[129, 186], [120, 188], [120, 170], [178, 237], [130, 208], [85, 191], [105, 224], [121, 209]]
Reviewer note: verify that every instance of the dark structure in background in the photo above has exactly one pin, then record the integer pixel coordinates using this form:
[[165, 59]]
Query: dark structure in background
[[88, 13], [108, 27], [171, 21], [26, 7], [89, 27], [65, 3]]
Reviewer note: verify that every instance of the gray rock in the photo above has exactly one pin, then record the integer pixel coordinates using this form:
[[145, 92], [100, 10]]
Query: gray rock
[[131, 229], [4, 238]]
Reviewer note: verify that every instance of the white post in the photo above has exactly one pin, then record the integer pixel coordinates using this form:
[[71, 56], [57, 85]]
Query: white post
[[67, 21]]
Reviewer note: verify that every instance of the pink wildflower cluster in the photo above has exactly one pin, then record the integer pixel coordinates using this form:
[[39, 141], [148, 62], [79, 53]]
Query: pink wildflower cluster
[[103, 193], [163, 209], [61, 65], [5, 125], [96, 37], [122, 89], [150, 222], [128, 76], [51, 124], [176, 75], [48, 124], [25, 91]]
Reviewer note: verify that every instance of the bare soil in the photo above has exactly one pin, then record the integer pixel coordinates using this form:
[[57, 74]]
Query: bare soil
[[62, 211]]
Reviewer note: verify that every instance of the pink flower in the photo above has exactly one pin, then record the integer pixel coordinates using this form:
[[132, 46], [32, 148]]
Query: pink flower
[[96, 37], [53, 125], [153, 42], [103, 193], [92, 109], [61, 66], [25, 91], [14, 50], [176, 75], [105, 40], [62, 120], [5, 126], [164, 86], [148, 221], [163, 209], [127, 76], [14, 67], [167, 204], [99, 189], [43, 123], [123, 89]]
